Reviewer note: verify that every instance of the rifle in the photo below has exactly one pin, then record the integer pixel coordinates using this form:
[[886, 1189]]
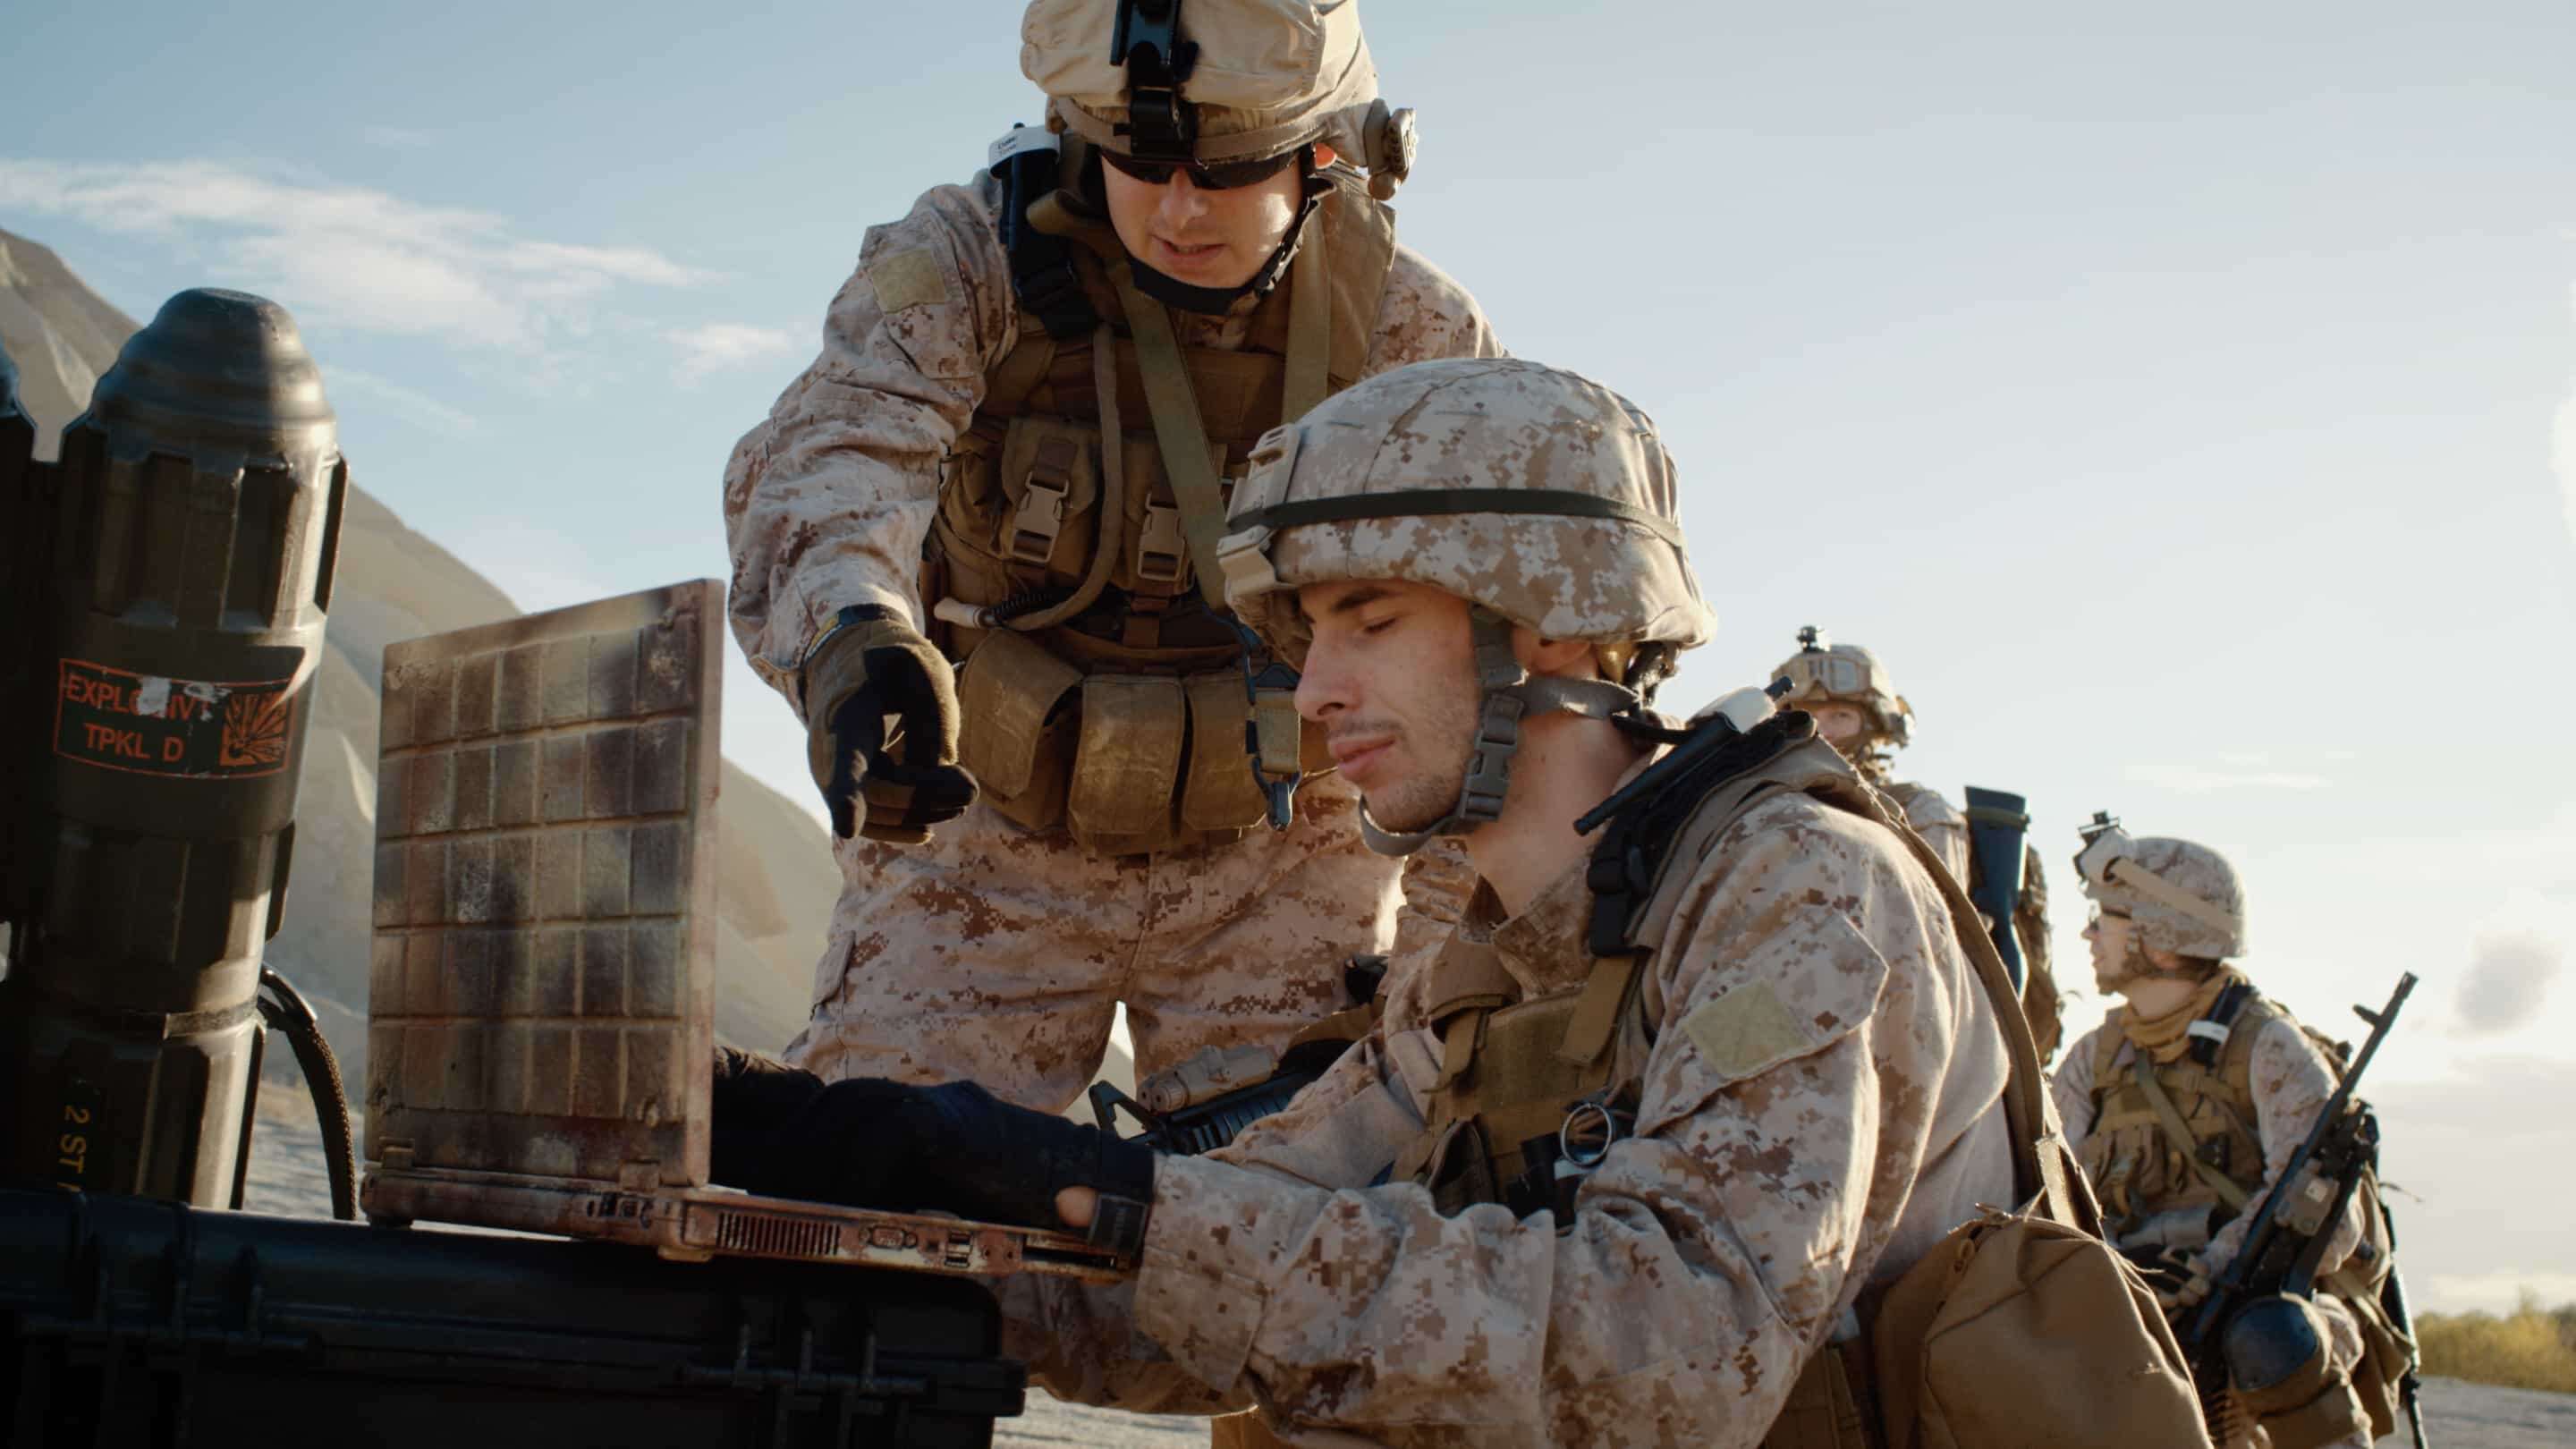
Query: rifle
[[1205, 1126], [2289, 1231], [1202, 1126]]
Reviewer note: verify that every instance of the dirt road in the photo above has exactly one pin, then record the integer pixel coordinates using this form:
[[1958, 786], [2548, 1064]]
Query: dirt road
[[287, 1176]]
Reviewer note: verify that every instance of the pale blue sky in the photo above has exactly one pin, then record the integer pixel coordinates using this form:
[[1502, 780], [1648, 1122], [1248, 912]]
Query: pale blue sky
[[2169, 399]]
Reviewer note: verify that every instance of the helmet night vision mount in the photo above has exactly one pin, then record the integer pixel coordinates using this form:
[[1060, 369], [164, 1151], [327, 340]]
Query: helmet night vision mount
[[1146, 40]]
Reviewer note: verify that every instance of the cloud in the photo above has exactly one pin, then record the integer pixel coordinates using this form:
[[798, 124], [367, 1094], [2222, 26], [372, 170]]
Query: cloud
[[719, 345], [353, 256], [2507, 979], [2199, 780]]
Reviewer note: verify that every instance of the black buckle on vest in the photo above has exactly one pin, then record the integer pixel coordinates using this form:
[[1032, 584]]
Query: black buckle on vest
[[1146, 39]]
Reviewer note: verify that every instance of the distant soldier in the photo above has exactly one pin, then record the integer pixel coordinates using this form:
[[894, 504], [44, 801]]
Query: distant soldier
[[986, 512], [2189, 1100], [1858, 709]]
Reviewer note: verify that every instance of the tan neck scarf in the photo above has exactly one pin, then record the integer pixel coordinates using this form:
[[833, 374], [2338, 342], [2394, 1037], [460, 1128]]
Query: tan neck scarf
[[2165, 1038]]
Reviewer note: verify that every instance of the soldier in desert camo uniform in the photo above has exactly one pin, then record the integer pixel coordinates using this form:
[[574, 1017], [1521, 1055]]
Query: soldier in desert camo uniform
[[2244, 1082], [1553, 1197], [928, 533]]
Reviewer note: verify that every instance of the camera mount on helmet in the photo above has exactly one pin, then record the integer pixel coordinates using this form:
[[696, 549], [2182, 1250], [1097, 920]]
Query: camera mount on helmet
[[1146, 39]]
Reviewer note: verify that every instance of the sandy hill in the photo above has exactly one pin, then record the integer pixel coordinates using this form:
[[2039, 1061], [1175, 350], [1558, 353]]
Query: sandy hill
[[776, 880]]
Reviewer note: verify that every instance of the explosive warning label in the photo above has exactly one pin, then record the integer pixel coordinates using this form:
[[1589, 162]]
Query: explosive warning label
[[154, 725]]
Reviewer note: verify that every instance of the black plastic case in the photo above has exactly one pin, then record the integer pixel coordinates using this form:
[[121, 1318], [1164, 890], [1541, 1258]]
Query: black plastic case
[[131, 1321]]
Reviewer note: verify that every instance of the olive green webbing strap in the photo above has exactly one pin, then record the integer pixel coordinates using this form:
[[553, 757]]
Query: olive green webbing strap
[[2178, 1132], [1178, 433], [1310, 326], [1596, 1011]]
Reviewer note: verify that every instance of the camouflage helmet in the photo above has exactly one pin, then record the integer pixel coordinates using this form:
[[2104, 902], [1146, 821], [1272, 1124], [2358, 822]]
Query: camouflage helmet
[[1823, 671], [2184, 898], [1246, 80], [1540, 497]]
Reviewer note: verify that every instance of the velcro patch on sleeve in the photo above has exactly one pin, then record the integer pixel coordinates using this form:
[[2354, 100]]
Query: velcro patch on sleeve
[[1746, 1031], [908, 278]]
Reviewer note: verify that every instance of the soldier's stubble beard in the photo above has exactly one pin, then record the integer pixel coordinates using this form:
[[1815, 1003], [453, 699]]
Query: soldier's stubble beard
[[1439, 740]]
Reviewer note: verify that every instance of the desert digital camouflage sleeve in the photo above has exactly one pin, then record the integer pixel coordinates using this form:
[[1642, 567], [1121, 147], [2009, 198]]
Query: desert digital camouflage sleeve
[[1425, 315], [827, 501], [1943, 827], [1823, 1061]]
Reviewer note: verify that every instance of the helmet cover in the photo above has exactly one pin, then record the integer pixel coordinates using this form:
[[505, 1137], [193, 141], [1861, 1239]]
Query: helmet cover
[[1268, 75], [1824, 672], [1539, 494], [2183, 897]]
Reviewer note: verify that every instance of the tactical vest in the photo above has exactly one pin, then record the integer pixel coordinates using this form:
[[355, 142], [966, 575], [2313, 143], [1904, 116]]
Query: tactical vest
[[1526, 1081], [1121, 715], [2141, 1173]]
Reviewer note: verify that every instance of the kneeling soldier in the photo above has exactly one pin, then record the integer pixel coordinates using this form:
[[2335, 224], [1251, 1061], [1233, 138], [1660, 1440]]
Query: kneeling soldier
[[1624, 1164], [2186, 1104]]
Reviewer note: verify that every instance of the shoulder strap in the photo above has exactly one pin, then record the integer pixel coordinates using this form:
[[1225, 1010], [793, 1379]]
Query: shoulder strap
[[1362, 229], [1178, 433], [2106, 1050], [1310, 326], [2043, 1170]]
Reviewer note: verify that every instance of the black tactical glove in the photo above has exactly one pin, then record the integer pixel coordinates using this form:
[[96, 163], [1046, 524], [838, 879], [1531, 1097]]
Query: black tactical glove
[[952, 1148], [872, 665]]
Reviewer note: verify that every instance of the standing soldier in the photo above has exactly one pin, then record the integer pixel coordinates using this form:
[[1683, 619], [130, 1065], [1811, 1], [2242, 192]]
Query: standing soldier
[[1184, 256], [1858, 709], [2187, 1102], [1622, 1166]]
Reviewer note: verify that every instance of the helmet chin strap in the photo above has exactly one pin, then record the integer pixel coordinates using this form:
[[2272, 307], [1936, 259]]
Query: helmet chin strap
[[1171, 291], [1510, 694]]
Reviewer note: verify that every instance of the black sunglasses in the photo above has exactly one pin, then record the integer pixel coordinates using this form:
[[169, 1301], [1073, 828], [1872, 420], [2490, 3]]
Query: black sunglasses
[[1221, 176]]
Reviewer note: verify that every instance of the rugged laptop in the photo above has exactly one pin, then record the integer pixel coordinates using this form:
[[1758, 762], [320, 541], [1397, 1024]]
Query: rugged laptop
[[540, 1013]]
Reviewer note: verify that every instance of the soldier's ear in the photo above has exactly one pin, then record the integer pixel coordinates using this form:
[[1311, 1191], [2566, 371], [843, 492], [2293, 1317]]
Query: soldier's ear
[[1325, 155], [1542, 655]]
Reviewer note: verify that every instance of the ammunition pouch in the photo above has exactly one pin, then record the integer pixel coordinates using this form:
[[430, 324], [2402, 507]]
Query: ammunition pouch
[[1127, 763], [2389, 1352]]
